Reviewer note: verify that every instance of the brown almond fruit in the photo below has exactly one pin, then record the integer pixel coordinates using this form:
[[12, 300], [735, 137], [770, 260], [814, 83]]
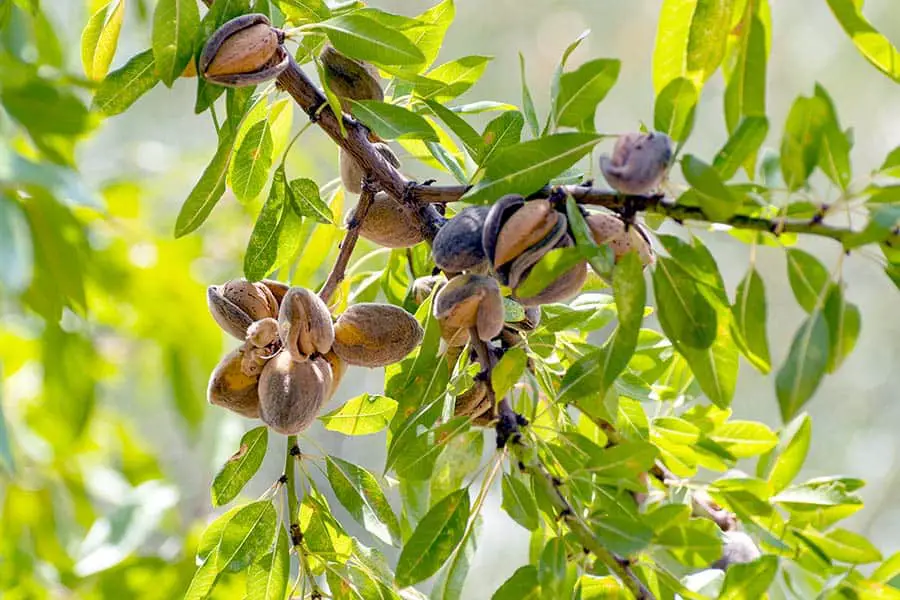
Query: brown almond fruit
[[233, 389], [236, 304], [350, 79], [468, 301], [291, 393], [375, 335], [610, 230], [458, 246], [387, 225], [352, 174]]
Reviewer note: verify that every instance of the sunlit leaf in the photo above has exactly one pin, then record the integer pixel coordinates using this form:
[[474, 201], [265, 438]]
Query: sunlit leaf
[[844, 546], [716, 200], [499, 133], [791, 452], [808, 278], [238, 469], [456, 77], [518, 502], [749, 580], [360, 37], [801, 140], [361, 415], [525, 167], [391, 121], [304, 197], [267, 578], [742, 147], [207, 192], [262, 248], [100, 39], [874, 46], [581, 90], [522, 585]]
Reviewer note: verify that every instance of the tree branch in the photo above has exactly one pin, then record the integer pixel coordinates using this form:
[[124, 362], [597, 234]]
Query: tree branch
[[336, 276]]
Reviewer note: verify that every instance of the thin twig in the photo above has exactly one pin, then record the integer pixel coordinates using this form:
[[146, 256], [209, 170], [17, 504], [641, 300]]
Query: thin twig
[[336, 276]]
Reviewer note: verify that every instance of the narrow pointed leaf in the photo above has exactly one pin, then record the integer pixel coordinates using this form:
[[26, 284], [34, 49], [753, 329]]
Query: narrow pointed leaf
[[360, 493], [806, 363], [175, 27], [238, 470]]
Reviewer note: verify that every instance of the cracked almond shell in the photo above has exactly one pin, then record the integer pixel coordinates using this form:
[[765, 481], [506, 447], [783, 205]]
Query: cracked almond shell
[[375, 335], [244, 51], [291, 393], [304, 324], [236, 304], [471, 301]]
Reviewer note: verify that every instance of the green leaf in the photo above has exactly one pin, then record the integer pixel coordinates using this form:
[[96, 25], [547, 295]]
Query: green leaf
[[525, 167], [434, 540], [888, 571], [690, 40], [175, 27], [750, 319], [749, 580], [801, 140], [805, 366], [883, 223], [460, 459], [252, 161], [874, 46], [791, 452], [716, 367], [745, 68], [45, 108], [622, 535], [392, 122], [522, 585], [844, 546], [203, 581], [7, 461], [366, 39], [465, 132], [305, 198], [501, 132], [742, 147], [300, 12], [452, 578], [508, 370], [808, 278], [262, 249], [322, 533], [556, 81], [744, 439], [552, 569], [843, 326], [100, 38], [360, 493], [16, 250], [695, 543], [519, 503], [553, 265], [362, 415], [834, 152], [429, 37], [267, 578], [528, 101], [630, 292], [716, 200], [207, 192], [684, 313], [581, 90], [675, 108], [242, 465], [456, 77]]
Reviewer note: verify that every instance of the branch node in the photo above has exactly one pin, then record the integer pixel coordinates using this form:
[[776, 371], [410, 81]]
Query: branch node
[[295, 451], [296, 535]]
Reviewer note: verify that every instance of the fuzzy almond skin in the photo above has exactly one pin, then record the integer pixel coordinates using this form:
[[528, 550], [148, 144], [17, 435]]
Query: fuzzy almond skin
[[387, 225], [523, 229], [351, 173], [229, 387], [610, 230], [474, 402], [304, 324], [458, 244], [244, 51], [238, 303], [639, 162], [350, 79], [292, 393], [375, 335]]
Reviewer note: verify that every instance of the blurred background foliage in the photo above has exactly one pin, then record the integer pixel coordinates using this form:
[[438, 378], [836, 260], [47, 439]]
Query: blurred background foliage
[[107, 446]]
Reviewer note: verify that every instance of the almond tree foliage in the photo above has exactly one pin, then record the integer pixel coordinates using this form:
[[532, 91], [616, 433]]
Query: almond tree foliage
[[599, 438]]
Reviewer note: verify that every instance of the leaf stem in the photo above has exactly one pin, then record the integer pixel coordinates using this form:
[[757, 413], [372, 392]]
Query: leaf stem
[[338, 270]]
